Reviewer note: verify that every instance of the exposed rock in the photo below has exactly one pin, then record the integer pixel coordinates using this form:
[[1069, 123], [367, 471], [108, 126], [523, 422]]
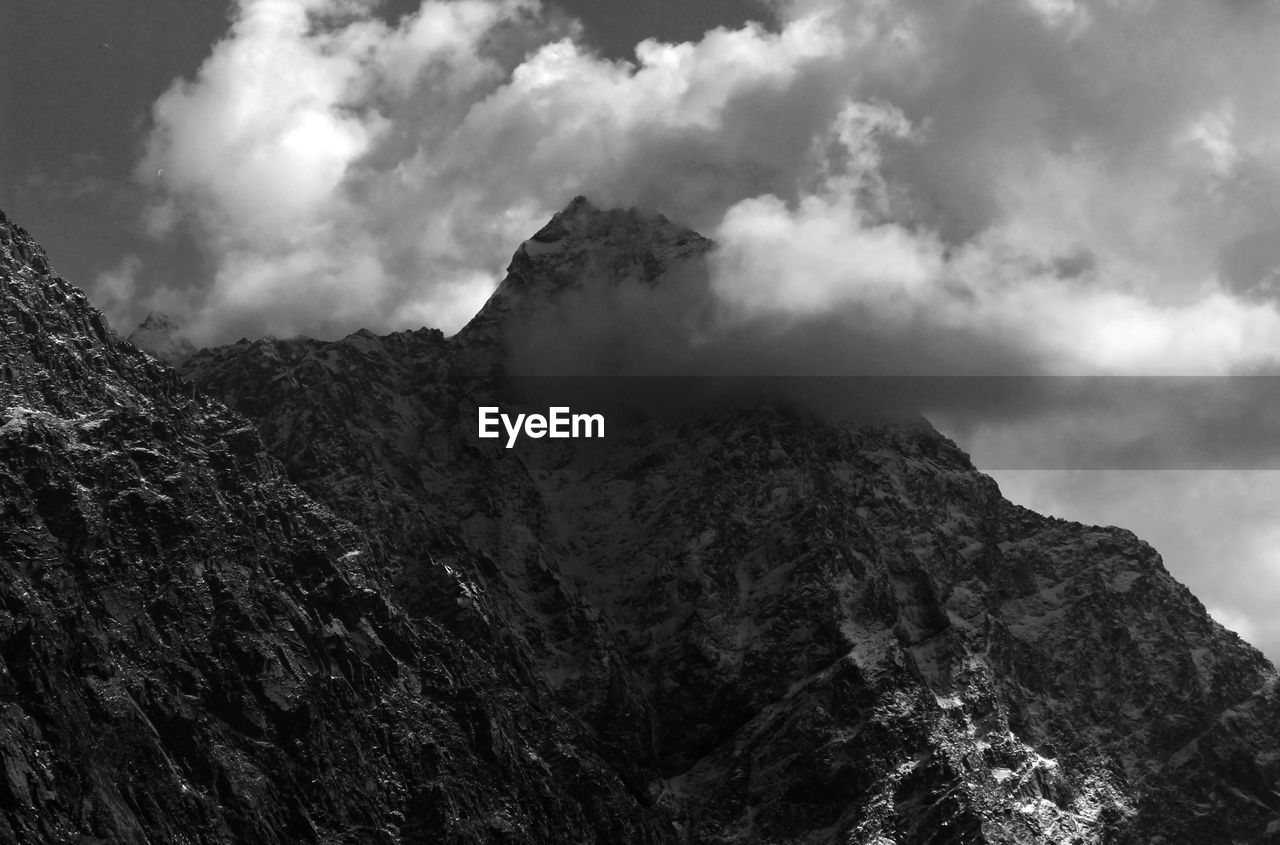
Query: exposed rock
[[779, 628], [749, 620], [192, 650]]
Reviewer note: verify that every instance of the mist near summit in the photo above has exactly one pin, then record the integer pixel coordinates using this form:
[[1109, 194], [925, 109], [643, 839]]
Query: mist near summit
[[1089, 185]]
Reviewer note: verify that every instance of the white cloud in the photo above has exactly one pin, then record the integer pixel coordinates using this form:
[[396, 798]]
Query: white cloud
[[115, 290], [296, 155], [1052, 173]]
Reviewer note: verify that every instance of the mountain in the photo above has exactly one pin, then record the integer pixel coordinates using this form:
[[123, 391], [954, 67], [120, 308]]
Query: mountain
[[775, 627], [162, 338], [582, 249], [192, 650]]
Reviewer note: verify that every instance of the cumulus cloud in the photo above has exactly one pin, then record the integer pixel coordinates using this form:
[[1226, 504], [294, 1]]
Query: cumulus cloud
[[1066, 179], [1090, 182], [116, 289], [339, 170], [1043, 187], [299, 157]]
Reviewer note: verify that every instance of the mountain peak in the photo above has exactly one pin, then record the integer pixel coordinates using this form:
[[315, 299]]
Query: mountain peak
[[160, 336], [158, 321], [575, 216], [582, 224], [583, 246], [17, 246]]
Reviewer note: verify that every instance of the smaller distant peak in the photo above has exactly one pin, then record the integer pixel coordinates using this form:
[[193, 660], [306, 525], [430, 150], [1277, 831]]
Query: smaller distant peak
[[158, 320], [363, 338], [160, 336]]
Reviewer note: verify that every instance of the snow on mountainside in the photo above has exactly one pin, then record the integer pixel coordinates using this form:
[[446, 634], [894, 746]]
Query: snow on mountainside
[[777, 628]]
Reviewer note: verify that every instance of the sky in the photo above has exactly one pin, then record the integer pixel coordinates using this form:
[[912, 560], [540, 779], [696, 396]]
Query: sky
[[980, 187]]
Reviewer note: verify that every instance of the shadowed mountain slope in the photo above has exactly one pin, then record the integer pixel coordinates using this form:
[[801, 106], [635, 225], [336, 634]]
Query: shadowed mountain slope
[[779, 628], [192, 650]]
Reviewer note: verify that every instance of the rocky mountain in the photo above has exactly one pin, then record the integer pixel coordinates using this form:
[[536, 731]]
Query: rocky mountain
[[775, 627], [162, 338], [193, 650]]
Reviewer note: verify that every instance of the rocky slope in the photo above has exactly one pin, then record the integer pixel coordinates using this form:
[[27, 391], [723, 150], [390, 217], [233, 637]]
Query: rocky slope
[[780, 629], [192, 650]]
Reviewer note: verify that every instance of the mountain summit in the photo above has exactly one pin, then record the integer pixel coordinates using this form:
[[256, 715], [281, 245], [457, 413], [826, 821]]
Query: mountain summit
[[348, 619], [777, 628], [583, 249], [162, 338]]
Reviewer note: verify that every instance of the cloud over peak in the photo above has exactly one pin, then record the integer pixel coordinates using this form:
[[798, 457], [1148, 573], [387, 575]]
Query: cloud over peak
[[1091, 182]]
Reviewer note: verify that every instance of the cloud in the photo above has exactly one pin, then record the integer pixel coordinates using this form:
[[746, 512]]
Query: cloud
[[1064, 179], [1056, 175], [115, 290], [985, 188], [339, 170], [296, 156]]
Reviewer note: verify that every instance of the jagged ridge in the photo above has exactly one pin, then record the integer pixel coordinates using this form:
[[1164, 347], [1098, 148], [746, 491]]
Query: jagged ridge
[[193, 651], [781, 629]]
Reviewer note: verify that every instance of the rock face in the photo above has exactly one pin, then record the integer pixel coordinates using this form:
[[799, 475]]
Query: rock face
[[192, 650], [776, 628]]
